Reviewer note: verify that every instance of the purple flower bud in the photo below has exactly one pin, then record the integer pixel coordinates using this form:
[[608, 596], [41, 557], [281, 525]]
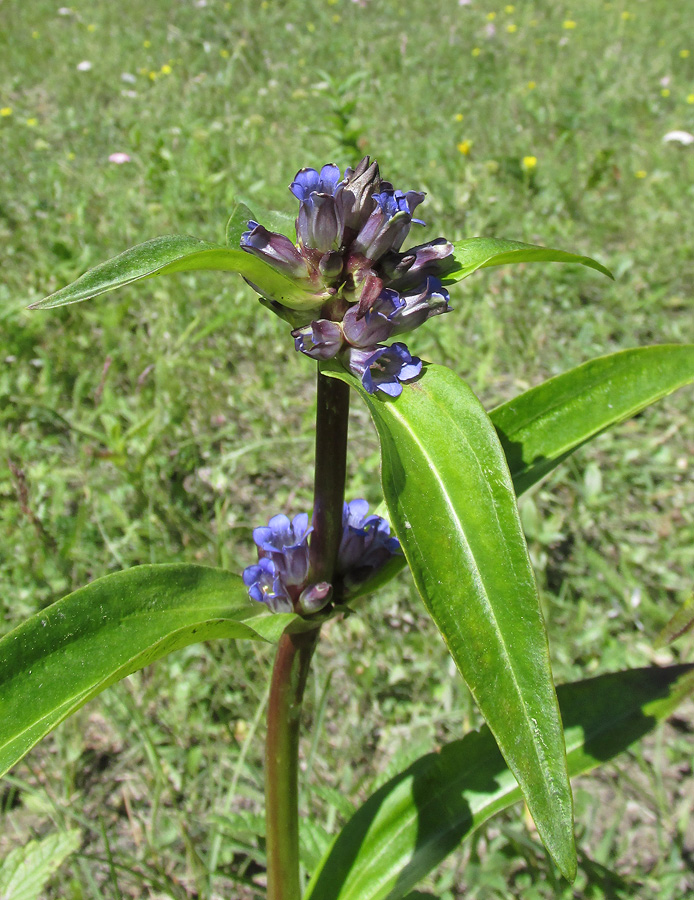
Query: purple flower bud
[[315, 597], [286, 544], [321, 339], [265, 586], [430, 300], [405, 270], [385, 368], [275, 249], [376, 324], [356, 197]]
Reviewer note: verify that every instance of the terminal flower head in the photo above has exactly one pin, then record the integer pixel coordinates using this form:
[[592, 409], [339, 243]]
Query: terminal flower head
[[357, 288]]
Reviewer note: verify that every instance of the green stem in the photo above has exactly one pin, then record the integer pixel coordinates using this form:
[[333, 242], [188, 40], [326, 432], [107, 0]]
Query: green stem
[[294, 651], [289, 676]]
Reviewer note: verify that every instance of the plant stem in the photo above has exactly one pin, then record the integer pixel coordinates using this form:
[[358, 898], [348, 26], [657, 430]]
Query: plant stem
[[332, 417], [289, 677], [294, 651]]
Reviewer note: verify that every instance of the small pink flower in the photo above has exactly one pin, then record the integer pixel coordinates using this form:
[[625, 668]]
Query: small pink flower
[[119, 158]]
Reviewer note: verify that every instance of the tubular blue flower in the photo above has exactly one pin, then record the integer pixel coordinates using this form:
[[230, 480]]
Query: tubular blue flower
[[286, 544], [384, 369], [319, 224], [320, 339], [366, 544], [265, 586]]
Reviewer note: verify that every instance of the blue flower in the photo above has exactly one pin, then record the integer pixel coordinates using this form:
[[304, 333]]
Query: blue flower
[[366, 544], [265, 586], [385, 368], [286, 544]]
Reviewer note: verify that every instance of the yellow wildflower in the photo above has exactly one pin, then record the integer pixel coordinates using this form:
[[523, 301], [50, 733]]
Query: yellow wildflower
[[509, 9], [166, 69], [529, 163], [32, 122], [511, 28], [464, 147], [531, 85], [641, 173], [224, 53], [690, 98], [91, 27], [491, 16], [684, 54], [626, 15], [6, 111], [476, 51], [459, 117], [146, 44], [569, 24], [665, 92]]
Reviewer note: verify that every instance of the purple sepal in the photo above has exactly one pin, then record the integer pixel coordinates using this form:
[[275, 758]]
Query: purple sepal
[[384, 369], [265, 586], [320, 339]]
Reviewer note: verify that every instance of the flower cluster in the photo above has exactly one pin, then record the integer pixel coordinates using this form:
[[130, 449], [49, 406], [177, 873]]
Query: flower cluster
[[348, 257], [279, 578]]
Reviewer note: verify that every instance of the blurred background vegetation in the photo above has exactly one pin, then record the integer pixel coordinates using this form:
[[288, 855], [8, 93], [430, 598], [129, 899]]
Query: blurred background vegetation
[[156, 424]]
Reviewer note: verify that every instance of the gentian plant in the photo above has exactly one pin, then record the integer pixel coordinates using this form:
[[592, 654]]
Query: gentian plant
[[451, 473]]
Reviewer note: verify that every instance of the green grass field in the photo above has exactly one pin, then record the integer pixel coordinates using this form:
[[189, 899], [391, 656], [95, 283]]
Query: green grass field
[[156, 424]]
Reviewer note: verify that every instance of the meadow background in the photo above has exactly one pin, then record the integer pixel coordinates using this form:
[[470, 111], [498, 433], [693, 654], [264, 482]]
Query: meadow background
[[163, 422]]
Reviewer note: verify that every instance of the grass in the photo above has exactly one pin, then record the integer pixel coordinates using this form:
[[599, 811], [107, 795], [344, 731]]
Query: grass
[[155, 425]]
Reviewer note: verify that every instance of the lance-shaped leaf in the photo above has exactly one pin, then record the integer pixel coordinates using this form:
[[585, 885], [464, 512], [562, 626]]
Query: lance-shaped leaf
[[67, 653], [541, 427], [451, 502], [478, 253], [179, 253], [421, 815]]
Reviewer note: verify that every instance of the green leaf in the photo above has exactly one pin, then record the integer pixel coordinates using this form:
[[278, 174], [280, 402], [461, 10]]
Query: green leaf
[[478, 253], [421, 815], [25, 872], [238, 224], [541, 427], [67, 653], [451, 501], [178, 253]]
